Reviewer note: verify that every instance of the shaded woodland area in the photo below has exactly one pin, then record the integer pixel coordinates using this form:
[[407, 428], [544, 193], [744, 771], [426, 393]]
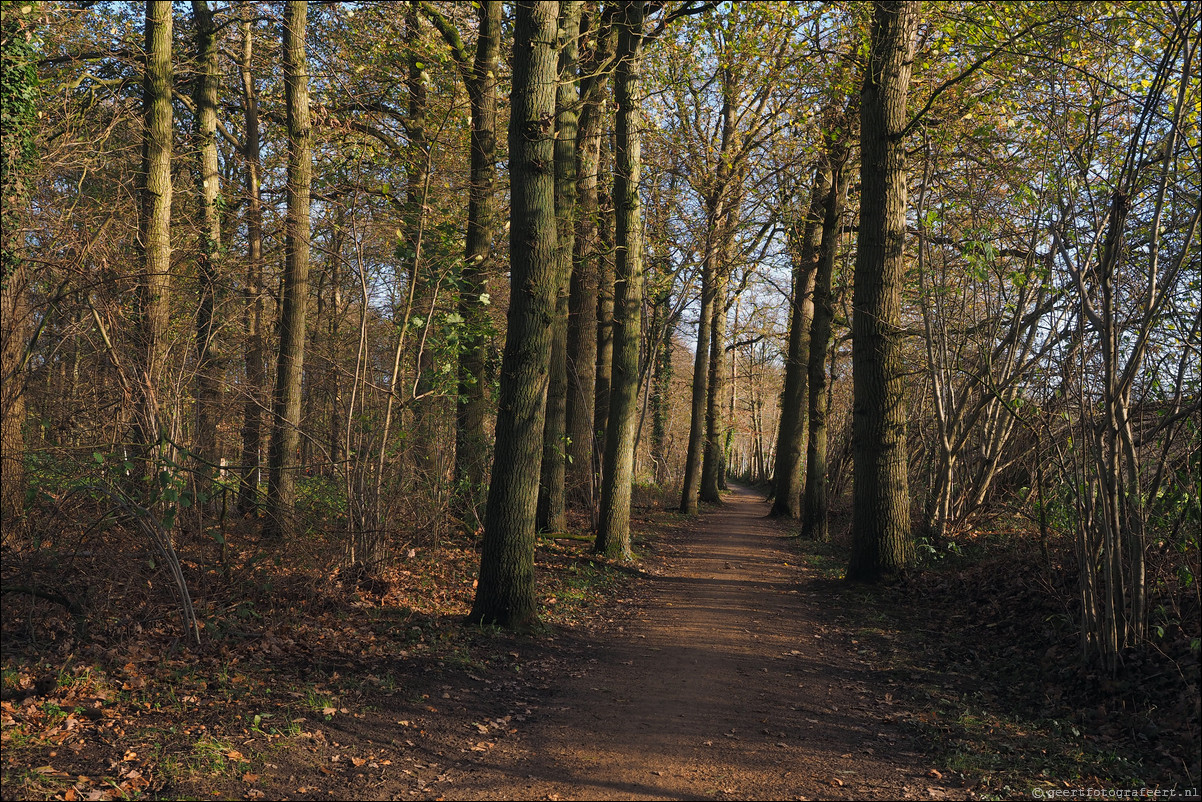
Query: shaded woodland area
[[423, 309]]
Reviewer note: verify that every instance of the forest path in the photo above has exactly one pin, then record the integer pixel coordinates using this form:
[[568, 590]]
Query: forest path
[[720, 685]]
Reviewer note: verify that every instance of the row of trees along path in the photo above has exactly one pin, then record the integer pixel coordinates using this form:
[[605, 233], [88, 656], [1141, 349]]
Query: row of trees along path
[[721, 684]]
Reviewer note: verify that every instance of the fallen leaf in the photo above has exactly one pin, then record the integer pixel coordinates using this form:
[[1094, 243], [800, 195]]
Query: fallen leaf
[[935, 773], [250, 778], [358, 761]]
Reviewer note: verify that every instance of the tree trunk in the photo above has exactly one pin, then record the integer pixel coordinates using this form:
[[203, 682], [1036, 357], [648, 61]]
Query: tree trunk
[[816, 504], [286, 412], [505, 590], [583, 301], [551, 486], [881, 537], [792, 435], [208, 369], [155, 227], [256, 374], [471, 446], [712, 468], [605, 308], [705, 319], [661, 389], [613, 534]]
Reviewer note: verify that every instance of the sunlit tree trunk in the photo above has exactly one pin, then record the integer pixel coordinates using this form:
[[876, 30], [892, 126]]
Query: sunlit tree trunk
[[256, 374], [805, 238], [551, 486], [816, 502], [598, 42], [505, 589], [285, 430], [709, 291], [613, 534], [881, 540], [154, 227], [605, 306], [208, 378]]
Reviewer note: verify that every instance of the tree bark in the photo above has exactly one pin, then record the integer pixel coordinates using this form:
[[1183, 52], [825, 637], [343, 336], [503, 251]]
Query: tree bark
[[551, 487], [208, 373], [155, 227], [505, 590], [255, 355], [881, 539], [285, 431], [613, 534]]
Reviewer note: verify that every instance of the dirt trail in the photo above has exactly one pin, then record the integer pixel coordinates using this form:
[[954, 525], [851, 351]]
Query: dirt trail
[[721, 685]]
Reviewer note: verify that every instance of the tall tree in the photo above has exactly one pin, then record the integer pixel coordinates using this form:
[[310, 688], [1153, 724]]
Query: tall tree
[[712, 297], [505, 590], [816, 502], [804, 236], [551, 487], [613, 534], [18, 112], [154, 224], [204, 98], [881, 540], [480, 79], [256, 349], [597, 37], [286, 411]]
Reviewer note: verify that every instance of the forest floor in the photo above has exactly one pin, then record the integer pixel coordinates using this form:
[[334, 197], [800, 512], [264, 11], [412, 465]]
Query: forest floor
[[730, 663]]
